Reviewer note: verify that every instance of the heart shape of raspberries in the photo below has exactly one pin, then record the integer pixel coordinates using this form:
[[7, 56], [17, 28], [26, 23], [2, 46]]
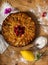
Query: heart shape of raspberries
[[19, 30]]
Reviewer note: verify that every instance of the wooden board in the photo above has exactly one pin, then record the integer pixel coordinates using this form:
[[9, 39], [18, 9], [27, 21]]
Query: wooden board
[[10, 55]]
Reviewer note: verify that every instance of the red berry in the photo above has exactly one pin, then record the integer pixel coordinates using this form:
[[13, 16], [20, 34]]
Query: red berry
[[19, 30], [44, 14]]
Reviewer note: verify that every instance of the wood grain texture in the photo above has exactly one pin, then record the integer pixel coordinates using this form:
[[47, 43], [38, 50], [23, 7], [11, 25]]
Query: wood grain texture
[[9, 56]]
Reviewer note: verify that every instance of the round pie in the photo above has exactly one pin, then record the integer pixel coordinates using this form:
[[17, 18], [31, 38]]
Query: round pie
[[19, 29]]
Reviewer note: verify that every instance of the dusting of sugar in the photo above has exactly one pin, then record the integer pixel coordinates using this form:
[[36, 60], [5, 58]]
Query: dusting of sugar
[[39, 8], [40, 11], [31, 10], [40, 20], [23, 60], [42, 41], [45, 28]]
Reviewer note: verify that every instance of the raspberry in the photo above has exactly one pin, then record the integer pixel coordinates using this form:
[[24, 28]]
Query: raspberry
[[44, 14], [19, 30]]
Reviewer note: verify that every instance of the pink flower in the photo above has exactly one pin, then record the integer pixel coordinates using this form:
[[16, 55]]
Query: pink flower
[[7, 10]]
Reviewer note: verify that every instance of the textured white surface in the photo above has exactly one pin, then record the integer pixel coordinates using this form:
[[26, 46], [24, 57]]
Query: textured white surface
[[2, 10], [3, 44]]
